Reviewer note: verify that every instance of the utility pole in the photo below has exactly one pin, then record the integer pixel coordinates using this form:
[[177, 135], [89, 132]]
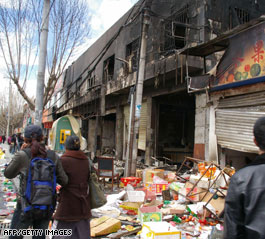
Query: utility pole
[[42, 62], [9, 105], [139, 90], [128, 161]]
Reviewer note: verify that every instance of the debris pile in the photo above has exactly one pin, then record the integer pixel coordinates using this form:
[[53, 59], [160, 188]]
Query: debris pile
[[167, 204]]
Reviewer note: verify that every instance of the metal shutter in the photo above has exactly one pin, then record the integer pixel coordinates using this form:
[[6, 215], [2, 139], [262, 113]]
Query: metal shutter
[[235, 118]]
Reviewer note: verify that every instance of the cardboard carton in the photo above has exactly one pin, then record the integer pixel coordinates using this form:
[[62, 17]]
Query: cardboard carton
[[176, 209], [131, 206], [106, 227], [218, 203], [159, 230], [149, 214], [150, 173]]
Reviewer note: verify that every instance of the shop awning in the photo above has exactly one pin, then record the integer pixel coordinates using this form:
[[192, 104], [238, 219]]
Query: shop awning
[[47, 118]]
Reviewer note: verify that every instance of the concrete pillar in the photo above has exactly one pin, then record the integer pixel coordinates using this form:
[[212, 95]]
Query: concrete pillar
[[119, 132], [213, 155], [149, 149], [201, 127], [91, 135], [102, 100], [222, 157]]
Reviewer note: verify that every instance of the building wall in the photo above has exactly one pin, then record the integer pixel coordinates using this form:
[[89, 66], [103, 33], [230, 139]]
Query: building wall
[[208, 19], [91, 135]]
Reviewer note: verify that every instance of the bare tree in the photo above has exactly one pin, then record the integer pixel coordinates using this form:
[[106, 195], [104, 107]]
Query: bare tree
[[69, 28], [20, 24], [16, 110], [18, 42]]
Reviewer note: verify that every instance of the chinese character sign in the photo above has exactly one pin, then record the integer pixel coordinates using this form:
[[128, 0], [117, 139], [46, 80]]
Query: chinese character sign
[[244, 59]]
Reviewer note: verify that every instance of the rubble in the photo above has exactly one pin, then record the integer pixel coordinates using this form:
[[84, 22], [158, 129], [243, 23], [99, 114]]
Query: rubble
[[166, 204], [185, 204], [8, 202]]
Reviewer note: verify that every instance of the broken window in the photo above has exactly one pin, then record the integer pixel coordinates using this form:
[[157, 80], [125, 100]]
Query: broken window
[[108, 68], [242, 15], [91, 81], [175, 30], [131, 55]]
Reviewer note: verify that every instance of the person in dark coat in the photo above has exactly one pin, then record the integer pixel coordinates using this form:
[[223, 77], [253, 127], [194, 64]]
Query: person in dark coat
[[73, 210], [13, 144], [245, 200], [19, 166], [4, 139]]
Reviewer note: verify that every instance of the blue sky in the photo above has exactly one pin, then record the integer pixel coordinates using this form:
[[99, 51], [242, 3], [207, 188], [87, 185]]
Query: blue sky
[[104, 13]]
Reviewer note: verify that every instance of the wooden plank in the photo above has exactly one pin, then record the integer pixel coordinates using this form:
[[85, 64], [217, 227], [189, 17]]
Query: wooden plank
[[124, 233]]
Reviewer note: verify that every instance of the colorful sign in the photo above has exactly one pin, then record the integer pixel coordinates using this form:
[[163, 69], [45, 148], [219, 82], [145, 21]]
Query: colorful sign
[[244, 59]]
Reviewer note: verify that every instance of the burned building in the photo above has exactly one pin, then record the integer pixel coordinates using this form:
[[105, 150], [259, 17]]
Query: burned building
[[97, 85], [234, 97]]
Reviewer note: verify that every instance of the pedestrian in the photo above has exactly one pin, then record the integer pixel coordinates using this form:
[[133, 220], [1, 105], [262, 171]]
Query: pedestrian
[[19, 166], [4, 139], [9, 139], [13, 144], [245, 200], [1, 139], [73, 210], [20, 141]]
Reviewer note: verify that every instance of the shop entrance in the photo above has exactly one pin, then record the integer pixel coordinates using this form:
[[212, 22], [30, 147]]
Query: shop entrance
[[175, 126]]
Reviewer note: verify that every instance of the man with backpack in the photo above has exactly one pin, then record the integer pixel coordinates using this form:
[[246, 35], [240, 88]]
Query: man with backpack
[[39, 170]]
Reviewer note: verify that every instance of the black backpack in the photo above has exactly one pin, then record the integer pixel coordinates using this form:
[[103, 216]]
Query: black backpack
[[39, 199]]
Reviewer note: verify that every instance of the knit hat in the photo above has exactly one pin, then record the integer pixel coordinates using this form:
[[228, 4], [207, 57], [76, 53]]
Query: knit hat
[[72, 143], [32, 131]]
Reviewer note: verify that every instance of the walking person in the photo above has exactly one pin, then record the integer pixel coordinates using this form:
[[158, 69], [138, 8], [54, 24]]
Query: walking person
[[20, 141], [13, 144], [19, 166], [245, 201], [73, 210], [4, 139]]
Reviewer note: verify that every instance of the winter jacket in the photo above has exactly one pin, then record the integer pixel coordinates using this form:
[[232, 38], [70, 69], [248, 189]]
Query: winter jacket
[[74, 203], [245, 202], [19, 165]]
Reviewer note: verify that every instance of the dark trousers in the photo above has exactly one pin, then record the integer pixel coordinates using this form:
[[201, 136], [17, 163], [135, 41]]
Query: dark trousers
[[18, 223], [79, 229]]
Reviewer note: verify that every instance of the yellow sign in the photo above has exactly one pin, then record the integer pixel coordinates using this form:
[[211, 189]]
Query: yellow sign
[[64, 133]]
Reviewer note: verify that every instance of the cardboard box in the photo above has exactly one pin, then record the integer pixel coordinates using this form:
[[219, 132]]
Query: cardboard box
[[134, 206], [149, 214], [148, 186], [150, 173], [139, 173], [149, 195], [136, 196], [194, 196], [177, 209], [218, 204], [97, 221], [158, 188], [104, 226], [196, 193], [156, 203], [159, 230]]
